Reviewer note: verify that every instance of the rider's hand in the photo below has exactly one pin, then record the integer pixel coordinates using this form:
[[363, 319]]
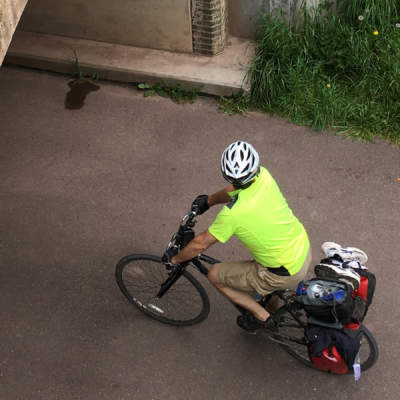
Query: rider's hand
[[169, 254], [200, 204]]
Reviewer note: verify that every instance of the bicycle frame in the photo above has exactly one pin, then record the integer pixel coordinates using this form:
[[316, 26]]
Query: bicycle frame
[[180, 239], [177, 272]]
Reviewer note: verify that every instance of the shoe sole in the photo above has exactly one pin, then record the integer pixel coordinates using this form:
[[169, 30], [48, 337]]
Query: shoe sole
[[326, 272], [255, 329], [359, 255]]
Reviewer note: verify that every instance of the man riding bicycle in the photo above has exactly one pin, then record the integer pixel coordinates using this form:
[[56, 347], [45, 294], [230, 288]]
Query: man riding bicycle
[[256, 213]]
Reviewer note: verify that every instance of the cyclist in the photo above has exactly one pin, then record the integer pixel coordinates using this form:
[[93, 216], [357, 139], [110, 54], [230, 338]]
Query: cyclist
[[256, 213]]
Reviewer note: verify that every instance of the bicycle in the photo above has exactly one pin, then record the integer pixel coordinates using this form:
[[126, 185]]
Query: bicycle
[[172, 295]]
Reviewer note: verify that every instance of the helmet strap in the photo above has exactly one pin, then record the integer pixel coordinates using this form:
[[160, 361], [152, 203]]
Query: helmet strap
[[245, 186]]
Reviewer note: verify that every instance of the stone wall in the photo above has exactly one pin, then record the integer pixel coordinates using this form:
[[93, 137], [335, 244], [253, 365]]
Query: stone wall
[[212, 20], [157, 24], [209, 26], [10, 13]]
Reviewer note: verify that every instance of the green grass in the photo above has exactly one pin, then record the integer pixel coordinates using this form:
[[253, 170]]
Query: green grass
[[339, 71], [238, 103], [78, 74], [175, 93]]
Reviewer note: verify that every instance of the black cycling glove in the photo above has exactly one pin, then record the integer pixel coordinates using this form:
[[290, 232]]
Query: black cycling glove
[[169, 253], [200, 204]]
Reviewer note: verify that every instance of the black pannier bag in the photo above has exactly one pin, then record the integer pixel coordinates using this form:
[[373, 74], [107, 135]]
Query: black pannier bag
[[326, 301], [365, 291]]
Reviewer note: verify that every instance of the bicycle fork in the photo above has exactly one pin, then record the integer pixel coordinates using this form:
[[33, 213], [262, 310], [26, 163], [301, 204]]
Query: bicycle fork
[[175, 275]]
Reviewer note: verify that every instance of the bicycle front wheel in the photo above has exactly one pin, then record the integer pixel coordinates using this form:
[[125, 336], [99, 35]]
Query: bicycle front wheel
[[139, 276]]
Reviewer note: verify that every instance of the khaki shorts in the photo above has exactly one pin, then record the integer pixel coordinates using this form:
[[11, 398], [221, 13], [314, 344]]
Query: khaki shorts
[[250, 276]]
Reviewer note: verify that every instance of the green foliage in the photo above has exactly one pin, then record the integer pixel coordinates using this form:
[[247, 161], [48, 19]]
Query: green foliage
[[78, 74], [338, 71], [376, 13], [238, 103], [176, 93]]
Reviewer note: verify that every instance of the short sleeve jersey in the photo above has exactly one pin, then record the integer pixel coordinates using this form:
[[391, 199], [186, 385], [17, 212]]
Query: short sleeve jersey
[[261, 219]]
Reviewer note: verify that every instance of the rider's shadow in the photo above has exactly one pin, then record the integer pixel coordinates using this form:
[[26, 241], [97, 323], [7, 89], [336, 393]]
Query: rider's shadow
[[79, 89]]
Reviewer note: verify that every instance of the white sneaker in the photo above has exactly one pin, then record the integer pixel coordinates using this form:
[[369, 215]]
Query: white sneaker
[[356, 265], [334, 272], [346, 253]]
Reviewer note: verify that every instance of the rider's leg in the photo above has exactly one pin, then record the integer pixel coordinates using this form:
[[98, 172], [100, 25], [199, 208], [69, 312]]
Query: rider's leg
[[273, 304], [238, 297], [236, 280]]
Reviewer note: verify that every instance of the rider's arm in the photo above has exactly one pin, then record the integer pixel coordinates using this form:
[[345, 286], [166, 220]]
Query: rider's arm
[[204, 240], [196, 246], [220, 197]]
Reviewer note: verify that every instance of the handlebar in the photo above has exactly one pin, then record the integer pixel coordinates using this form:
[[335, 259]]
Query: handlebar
[[187, 219], [185, 231], [179, 240]]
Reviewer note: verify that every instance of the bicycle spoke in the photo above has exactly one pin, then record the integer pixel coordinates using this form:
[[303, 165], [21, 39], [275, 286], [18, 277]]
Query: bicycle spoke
[[290, 334]]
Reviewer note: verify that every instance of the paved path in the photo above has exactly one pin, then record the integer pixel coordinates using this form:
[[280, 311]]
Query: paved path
[[81, 188]]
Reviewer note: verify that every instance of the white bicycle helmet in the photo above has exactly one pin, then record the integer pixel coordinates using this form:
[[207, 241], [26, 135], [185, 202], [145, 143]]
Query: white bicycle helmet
[[239, 163]]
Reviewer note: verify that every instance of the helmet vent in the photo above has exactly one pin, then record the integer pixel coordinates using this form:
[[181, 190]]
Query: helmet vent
[[239, 163]]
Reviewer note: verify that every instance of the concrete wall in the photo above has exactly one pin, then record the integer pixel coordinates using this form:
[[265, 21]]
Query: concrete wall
[[158, 24], [244, 14], [10, 13]]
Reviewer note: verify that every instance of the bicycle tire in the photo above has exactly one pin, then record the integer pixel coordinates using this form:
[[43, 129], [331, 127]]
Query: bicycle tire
[[373, 354], [288, 326], [300, 351], [139, 276]]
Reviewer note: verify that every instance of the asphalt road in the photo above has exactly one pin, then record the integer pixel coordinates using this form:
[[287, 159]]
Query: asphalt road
[[82, 188]]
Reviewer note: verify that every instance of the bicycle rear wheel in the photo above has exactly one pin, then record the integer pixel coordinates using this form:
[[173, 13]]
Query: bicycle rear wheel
[[291, 333], [139, 276], [369, 351]]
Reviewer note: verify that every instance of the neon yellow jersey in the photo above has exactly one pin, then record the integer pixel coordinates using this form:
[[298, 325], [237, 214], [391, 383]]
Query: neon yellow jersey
[[261, 219]]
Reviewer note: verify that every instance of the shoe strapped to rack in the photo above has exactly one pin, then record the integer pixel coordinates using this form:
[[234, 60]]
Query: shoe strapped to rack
[[346, 253], [341, 264]]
